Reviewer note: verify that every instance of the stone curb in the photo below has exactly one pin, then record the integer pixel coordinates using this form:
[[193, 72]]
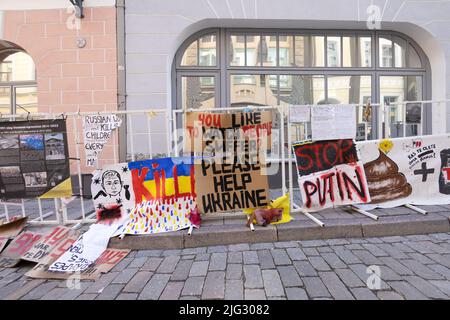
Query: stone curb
[[225, 234]]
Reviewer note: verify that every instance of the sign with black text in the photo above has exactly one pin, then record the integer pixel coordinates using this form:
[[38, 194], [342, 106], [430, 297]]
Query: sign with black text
[[34, 159]]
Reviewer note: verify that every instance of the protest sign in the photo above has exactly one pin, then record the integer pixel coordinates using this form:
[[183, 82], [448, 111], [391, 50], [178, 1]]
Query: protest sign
[[299, 114], [148, 196], [412, 170], [12, 228], [97, 130], [83, 253], [230, 175], [107, 260], [34, 159], [330, 174], [46, 244], [19, 245], [333, 122]]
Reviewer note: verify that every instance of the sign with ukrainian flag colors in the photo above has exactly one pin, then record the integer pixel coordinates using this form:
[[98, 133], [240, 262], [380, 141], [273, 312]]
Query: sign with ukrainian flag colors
[[148, 196]]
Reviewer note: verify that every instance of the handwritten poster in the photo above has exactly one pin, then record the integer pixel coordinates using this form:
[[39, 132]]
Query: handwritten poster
[[411, 170], [330, 174], [83, 253], [11, 256], [299, 114], [333, 122], [45, 245], [97, 131], [147, 196], [230, 174]]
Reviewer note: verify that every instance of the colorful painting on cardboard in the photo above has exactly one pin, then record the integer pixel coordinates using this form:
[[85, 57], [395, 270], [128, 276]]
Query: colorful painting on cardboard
[[148, 196], [412, 170]]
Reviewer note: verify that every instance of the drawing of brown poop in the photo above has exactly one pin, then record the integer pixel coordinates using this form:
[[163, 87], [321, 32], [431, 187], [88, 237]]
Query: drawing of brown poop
[[384, 181]]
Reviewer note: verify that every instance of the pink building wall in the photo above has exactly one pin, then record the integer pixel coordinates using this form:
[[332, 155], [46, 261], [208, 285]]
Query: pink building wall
[[70, 78]]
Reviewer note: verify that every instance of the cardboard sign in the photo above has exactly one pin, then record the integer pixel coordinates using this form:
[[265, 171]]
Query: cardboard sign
[[3, 243], [83, 253], [230, 175], [19, 245], [97, 131], [344, 184], [13, 228], [103, 264], [323, 155], [109, 258], [40, 271], [412, 170], [46, 244], [145, 197], [330, 174], [34, 159]]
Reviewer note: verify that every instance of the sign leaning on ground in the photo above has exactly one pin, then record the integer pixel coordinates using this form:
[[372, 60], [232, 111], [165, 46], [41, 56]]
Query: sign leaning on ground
[[97, 130], [412, 170], [230, 172], [34, 159]]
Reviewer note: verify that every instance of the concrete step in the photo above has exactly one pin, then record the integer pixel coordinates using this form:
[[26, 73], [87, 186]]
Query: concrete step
[[338, 224]]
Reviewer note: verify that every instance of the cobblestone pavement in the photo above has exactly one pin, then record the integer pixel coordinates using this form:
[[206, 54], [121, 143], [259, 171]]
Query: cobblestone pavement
[[410, 267]]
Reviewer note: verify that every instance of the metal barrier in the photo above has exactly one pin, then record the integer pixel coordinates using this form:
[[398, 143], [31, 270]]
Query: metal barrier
[[143, 142], [79, 208]]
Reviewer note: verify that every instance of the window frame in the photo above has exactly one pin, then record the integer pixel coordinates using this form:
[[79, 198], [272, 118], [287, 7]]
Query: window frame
[[223, 70]]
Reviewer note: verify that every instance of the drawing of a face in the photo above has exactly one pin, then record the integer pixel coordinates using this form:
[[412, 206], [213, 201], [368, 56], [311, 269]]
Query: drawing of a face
[[111, 182]]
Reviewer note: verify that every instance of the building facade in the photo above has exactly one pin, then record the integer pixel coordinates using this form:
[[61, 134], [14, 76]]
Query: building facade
[[214, 53], [51, 61], [175, 54]]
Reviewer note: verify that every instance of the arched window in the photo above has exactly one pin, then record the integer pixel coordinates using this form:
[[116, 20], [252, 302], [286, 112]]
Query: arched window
[[18, 91], [240, 67]]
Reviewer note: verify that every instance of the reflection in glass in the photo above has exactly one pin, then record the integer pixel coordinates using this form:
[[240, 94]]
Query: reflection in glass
[[334, 51], [413, 58], [17, 67], [253, 90], [237, 44], [197, 92], [26, 97], [207, 51], [201, 52], [269, 51], [301, 89], [190, 55], [385, 52], [309, 51], [286, 51], [349, 89], [349, 52], [365, 51], [253, 51], [400, 51], [5, 100]]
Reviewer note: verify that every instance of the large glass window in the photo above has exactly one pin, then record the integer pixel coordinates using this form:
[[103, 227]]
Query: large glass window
[[276, 67]]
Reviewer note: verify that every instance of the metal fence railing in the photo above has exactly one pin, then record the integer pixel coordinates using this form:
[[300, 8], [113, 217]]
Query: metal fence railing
[[159, 132]]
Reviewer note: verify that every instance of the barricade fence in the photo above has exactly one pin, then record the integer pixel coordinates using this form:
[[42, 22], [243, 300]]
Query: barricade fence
[[158, 133]]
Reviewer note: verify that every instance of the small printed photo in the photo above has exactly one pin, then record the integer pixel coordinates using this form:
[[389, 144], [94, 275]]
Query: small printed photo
[[54, 146], [31, 141], [9, 141], [9, 172], [35, 179]]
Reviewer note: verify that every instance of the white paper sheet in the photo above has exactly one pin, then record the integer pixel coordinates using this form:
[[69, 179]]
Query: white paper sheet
[[330, 122]]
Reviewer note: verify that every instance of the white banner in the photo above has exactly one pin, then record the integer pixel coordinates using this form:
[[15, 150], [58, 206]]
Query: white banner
[[97, 130], [413, 170]]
